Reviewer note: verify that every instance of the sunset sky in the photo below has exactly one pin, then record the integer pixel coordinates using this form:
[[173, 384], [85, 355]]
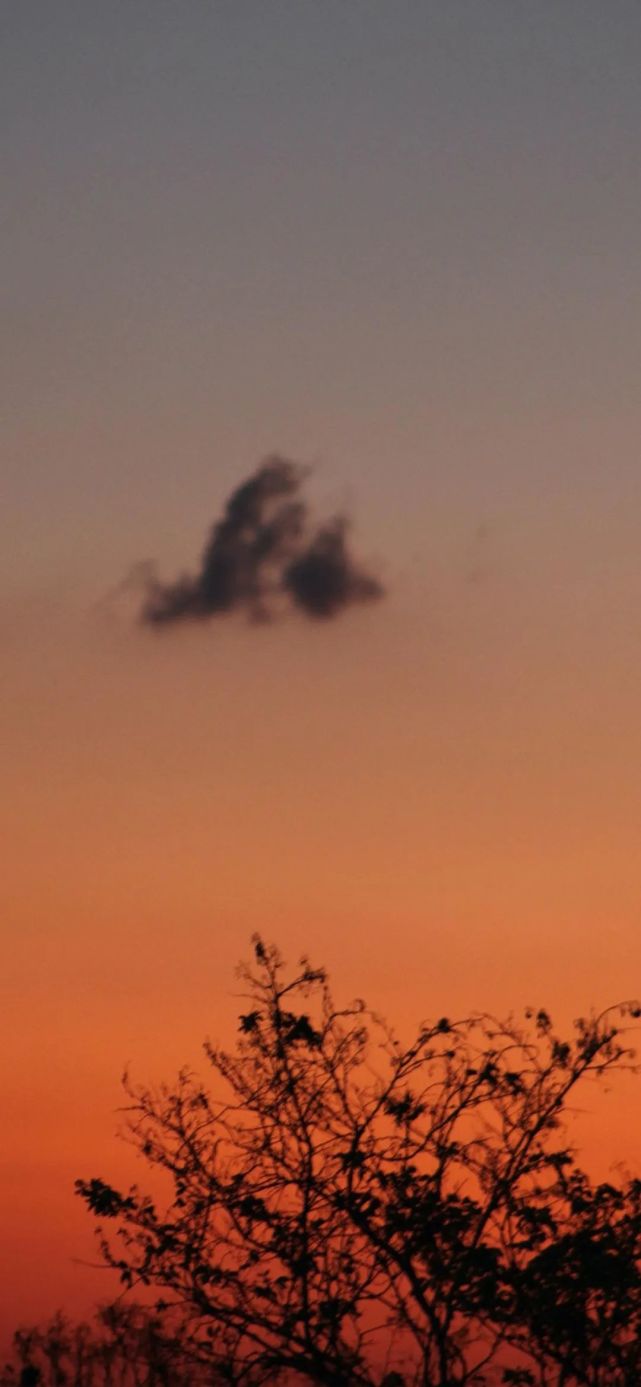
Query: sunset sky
[[397, 240]]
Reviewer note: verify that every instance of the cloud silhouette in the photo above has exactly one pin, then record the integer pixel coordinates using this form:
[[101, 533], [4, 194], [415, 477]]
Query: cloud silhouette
[[263, 555], [324, 578]]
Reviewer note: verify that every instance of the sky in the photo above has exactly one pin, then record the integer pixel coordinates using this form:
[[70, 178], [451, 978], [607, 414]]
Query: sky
[[396, 243]]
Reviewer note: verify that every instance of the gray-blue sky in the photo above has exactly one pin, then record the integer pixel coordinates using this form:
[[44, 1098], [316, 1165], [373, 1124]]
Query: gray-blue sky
[[370, 233]]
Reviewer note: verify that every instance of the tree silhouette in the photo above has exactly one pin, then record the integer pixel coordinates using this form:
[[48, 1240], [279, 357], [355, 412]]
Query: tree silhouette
[[358, 1211], [124, 1346]]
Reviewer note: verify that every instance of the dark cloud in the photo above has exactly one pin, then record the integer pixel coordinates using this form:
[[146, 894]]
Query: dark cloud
[[324, 578], [264, 554]]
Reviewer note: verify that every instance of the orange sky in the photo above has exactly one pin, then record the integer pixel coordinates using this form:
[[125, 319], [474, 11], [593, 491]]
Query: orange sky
[[446, 819], [403, 246]]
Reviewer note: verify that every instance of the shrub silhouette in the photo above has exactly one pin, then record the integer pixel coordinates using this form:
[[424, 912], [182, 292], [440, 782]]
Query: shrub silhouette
[[358, 1211]]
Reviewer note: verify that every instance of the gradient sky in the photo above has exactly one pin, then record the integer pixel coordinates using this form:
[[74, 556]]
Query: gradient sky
[[400, 241]]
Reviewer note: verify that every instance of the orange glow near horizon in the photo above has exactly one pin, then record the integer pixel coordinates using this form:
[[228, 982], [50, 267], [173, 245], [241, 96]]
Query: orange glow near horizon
[[413, 841]]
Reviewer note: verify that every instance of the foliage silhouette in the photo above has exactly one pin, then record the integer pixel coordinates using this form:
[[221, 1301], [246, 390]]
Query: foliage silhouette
[[358, 1211], [124, 1346]]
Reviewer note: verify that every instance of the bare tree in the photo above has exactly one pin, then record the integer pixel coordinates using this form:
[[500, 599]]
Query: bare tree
[[359, 1211]]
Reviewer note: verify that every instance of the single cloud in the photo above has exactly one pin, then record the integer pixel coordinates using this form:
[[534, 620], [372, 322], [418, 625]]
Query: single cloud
[[263, 555]]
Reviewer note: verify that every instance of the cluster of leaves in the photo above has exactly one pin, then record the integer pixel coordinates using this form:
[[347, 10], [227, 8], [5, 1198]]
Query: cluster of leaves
[[358, 1211]]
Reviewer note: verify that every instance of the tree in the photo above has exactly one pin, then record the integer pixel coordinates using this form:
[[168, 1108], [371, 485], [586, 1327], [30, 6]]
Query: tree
[[124, 1346], [577, 1296], [358, 1211]]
